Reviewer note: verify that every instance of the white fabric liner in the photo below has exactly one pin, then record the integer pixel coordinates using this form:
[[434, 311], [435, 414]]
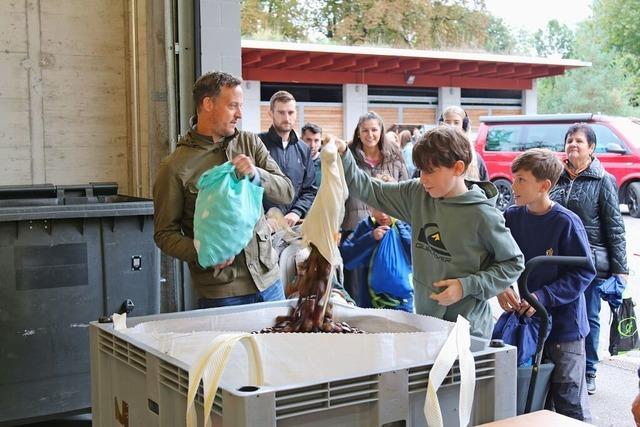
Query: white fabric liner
[[395, 340]]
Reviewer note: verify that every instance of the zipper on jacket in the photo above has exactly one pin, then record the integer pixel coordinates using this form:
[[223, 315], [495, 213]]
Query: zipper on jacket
[[566, 198]]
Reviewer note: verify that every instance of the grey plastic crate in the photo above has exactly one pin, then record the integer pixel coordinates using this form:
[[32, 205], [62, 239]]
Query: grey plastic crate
[[153, 388], [68, 255]]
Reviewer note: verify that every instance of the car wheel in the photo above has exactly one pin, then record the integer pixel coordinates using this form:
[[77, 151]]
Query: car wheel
[[505, 195], [633, 199]]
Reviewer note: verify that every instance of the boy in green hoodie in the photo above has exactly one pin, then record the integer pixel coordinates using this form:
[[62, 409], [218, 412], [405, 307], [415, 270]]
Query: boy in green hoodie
[[462, 252]]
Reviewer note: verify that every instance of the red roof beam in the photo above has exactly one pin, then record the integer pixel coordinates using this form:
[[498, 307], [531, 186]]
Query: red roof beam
[[251, 57], [427, 67], [504, 70], [467, 68], [553, 71], [449, 67], [536, 71], [344, 62], [297, 61], [521, 71], [366, 64], [320, 62], [410, 65], [388, 65], [486, 69], [272, 60]]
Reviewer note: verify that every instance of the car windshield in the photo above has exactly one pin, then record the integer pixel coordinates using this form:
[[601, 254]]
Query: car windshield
[[631, 129]]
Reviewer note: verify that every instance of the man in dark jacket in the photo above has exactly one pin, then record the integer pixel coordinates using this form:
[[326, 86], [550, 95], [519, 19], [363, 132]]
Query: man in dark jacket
[[292, 155], [312, 136], [252, 275]]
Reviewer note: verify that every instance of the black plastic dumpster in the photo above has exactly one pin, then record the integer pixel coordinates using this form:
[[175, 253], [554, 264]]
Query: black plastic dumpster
[[68, 255]]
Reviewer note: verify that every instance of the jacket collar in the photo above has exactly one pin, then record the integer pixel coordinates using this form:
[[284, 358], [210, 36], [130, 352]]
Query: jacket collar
[[195, 140], [594, 170], [274, 137]]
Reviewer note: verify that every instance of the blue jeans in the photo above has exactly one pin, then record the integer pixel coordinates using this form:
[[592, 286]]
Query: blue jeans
[[274, 292], [591, 342]]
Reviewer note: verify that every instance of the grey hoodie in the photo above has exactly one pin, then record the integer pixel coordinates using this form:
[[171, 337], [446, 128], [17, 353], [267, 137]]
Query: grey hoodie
[[462, 237]]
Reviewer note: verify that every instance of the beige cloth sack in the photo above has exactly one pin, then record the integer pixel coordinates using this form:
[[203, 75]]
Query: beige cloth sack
[[322, 223]]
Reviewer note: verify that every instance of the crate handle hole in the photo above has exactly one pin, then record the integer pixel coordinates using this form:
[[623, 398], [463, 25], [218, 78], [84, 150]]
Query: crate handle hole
[[248, 388]]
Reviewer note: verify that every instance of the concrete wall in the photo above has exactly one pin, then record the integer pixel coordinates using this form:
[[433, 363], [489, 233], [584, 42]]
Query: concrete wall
[[77, 90], [220, 36]]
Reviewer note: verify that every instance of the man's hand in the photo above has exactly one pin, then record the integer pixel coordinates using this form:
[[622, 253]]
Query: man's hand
[[509, 300], [244, 166], [292, 218], [224, 264], [451, 294], [379, 232]]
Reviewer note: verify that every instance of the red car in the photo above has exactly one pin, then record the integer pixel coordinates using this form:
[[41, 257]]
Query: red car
[[501, 138]]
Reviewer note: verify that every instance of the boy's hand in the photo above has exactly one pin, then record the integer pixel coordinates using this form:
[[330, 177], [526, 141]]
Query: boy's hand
[[451, 294], [340, 144], [525, 307], [509, 300], [379, 232]]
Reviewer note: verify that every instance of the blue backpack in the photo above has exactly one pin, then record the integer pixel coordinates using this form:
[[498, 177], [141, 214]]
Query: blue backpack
[[520, 331], [227, 210]]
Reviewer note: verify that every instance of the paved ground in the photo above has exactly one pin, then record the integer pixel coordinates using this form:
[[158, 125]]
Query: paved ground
[[617, 380]]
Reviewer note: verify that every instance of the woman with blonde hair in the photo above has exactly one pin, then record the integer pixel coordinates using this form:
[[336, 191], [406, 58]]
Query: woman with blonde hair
[[457, 118]]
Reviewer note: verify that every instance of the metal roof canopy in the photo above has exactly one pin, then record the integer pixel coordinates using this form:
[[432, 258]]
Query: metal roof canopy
[[331, 64]]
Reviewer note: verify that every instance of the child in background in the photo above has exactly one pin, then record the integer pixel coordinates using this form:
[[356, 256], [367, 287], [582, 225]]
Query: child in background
[[362, 249], [542, 227], [462, 252]]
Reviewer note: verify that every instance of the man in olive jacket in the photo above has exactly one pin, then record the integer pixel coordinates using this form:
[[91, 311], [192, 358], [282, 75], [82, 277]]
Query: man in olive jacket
[[252, 275]]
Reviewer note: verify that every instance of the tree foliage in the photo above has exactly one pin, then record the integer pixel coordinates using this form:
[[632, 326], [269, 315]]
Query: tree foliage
[[425, 24], [555, 40], [620, 22], [281, 19], [499, 39], [604, 87]]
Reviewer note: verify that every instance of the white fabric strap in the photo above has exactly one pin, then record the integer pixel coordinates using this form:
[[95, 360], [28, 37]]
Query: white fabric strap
[[458, 345], [209, 367]]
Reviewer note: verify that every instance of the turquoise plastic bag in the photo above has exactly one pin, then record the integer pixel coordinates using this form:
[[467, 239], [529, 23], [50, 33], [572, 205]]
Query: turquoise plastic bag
[[227, 210]]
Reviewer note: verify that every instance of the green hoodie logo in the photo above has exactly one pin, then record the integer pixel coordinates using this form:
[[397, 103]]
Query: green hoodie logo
[[430, 239]]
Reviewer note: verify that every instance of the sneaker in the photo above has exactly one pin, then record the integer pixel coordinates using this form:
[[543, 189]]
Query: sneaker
[[591, 384]]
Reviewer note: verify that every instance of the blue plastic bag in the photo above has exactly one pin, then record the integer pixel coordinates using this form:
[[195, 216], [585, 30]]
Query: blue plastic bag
[[390, 267], [227, 210], [611, 291], [520, 331]]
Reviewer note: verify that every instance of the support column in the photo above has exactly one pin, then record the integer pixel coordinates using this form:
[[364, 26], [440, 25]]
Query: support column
[[530, 99], [354, 104], [220, 20], [251, 106], [448, 96]]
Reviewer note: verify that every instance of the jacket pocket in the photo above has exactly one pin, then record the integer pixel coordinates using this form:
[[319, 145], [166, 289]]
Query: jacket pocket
[[600, 260], [266, 253]]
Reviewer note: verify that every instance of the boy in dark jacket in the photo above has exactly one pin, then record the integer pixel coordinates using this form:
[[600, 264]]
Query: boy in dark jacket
[[542, 227], [360, 249]]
